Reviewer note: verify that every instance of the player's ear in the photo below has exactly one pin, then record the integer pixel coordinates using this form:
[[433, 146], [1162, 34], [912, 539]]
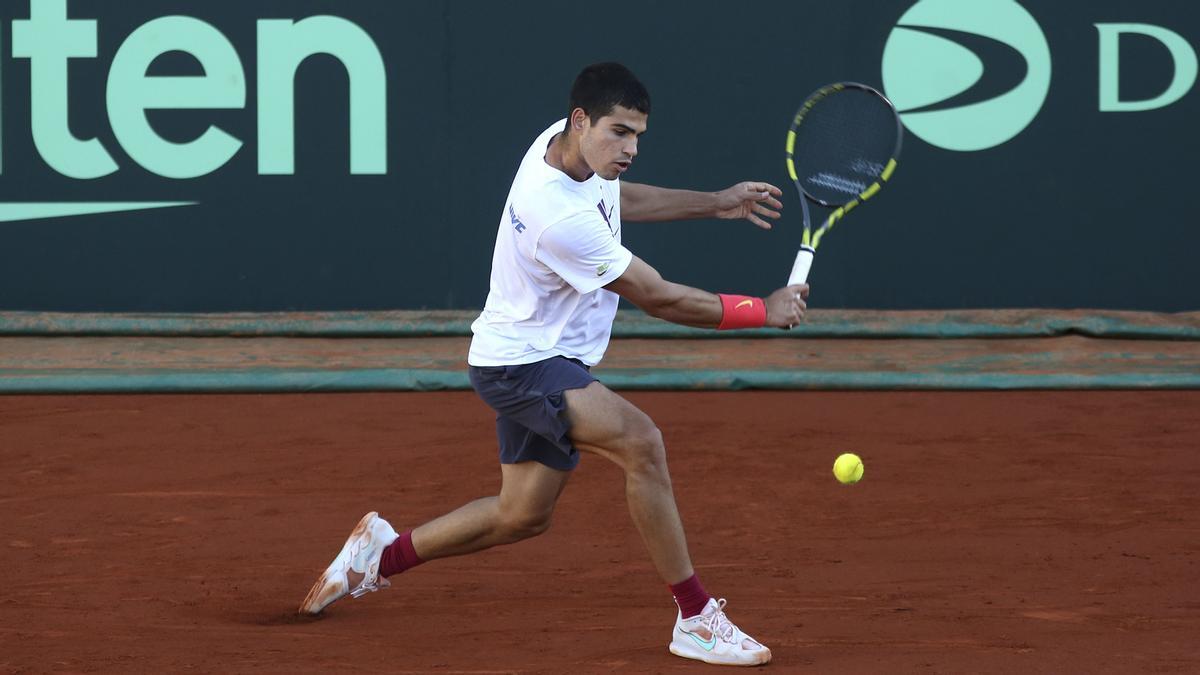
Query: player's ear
[[578, 119]]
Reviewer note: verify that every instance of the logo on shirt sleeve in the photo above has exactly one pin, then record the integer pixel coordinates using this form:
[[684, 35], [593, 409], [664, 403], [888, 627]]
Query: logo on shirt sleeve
[[606, 213], [517, 224], [601, 269]]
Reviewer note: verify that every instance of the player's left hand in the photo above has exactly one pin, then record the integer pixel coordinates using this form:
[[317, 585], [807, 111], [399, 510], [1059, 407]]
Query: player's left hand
[[750, 200]]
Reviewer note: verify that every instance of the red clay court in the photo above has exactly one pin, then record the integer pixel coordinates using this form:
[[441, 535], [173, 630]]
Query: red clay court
[[243, 247], [994, 532]]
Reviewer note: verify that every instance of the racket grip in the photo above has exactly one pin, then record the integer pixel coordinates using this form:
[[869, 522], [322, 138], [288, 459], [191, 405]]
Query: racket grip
[[800, 268]]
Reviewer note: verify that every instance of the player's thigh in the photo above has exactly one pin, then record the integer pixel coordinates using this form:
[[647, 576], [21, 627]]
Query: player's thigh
[[602, 422], [529, 490]]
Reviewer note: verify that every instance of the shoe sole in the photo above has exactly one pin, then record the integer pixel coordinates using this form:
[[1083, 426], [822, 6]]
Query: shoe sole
[[318, 596], [709, 657]]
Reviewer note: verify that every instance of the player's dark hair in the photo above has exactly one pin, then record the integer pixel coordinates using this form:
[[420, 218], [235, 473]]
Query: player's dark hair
[[603, 86]]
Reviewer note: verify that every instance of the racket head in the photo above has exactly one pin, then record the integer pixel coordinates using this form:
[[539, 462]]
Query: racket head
[[843, 144]]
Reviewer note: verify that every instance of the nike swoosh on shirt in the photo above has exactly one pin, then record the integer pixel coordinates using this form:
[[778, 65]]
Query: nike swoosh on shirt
[[602, 269]]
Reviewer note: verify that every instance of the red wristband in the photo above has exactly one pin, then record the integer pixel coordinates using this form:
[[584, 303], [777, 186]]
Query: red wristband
[[742, 311]]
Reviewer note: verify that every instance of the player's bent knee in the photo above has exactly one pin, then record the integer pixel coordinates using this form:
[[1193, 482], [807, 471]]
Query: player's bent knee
[[524, 525], [646, 453]]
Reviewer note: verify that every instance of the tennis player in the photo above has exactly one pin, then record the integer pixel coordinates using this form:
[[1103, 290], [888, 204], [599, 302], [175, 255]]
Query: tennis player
[[557, 273]]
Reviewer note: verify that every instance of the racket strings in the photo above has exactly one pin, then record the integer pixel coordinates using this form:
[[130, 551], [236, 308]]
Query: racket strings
[[843, 145]]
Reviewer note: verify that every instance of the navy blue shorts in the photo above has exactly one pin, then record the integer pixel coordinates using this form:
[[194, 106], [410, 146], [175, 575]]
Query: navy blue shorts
[[531, 413]]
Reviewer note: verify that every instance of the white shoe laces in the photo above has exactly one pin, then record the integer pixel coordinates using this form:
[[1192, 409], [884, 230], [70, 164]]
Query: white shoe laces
[[364, 588], [720, 625]]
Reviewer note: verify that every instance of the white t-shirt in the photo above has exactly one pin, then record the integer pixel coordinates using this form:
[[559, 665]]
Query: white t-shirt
[[558, 243]]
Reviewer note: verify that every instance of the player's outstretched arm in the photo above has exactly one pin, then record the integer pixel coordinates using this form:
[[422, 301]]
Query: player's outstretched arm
[[751, 200], [642, 285]]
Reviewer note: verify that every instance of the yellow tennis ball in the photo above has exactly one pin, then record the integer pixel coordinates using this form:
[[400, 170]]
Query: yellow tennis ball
[[848, 468]]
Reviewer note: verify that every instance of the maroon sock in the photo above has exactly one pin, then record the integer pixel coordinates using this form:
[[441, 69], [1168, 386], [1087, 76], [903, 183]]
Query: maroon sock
[[399, 556], [690, 596]]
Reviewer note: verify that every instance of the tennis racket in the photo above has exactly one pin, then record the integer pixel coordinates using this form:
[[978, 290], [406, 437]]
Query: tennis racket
[[841, 149]]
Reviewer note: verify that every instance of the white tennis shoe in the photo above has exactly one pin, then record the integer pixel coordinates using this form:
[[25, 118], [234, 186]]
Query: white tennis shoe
[[711, 637], [355, 570]]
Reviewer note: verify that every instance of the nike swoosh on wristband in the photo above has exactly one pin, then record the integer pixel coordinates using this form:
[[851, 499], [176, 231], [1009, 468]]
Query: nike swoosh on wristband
[[744, 303], [11, 212], [706, 645]]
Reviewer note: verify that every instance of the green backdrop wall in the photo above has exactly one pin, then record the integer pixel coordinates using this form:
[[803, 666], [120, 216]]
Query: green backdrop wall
[[1087, 204]]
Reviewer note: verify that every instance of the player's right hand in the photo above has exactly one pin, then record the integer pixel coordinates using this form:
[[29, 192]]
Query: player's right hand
[[785, 307]]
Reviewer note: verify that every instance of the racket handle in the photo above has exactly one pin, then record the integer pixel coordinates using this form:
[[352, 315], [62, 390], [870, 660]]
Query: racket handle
[[800, 268]]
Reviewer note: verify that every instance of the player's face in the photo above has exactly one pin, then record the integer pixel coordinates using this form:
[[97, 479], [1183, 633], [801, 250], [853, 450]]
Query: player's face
[[610, 144]]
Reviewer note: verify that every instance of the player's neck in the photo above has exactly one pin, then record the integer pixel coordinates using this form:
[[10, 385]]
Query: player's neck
[[563, 154]]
